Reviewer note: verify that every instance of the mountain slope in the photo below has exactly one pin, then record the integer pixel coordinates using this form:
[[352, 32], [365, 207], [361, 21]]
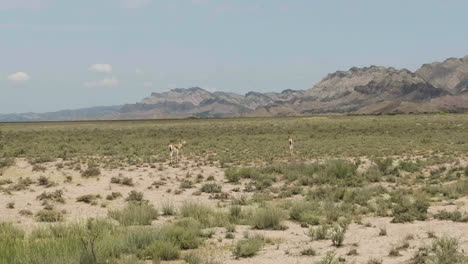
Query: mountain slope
[[450, 75], [435, 87]]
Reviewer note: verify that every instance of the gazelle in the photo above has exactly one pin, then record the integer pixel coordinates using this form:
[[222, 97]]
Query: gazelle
[[175, 148], [291, 145]]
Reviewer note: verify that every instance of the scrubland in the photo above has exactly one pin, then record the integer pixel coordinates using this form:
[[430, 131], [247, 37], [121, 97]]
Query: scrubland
[[357, 189]]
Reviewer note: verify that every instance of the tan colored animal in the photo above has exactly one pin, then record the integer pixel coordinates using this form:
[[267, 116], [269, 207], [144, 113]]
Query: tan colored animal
[[291, 145], [175, 148]]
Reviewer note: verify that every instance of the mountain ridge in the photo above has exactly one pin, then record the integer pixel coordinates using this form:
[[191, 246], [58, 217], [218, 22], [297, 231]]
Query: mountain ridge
[[434, 87]]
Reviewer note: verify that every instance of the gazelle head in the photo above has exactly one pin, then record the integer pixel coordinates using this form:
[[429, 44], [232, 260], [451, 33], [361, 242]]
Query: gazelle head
[[183, 142]]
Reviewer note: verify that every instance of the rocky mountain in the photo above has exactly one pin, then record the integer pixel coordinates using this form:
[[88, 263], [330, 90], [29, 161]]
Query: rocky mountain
[[197, 102], [450, 75], [435, 87]]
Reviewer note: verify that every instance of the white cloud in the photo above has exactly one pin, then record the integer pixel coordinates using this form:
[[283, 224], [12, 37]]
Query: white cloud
[[108, 82], [18, 77], [135, 3], [147, 84], [105, 68]]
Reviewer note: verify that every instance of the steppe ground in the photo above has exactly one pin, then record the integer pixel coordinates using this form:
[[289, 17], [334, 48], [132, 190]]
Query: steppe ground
[[356, 189]]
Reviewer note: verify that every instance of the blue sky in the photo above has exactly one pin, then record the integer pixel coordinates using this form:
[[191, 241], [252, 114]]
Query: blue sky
[[66, 54]]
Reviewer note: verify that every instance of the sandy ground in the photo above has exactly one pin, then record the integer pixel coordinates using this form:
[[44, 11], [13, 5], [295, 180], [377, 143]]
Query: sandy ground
[[288, 243]]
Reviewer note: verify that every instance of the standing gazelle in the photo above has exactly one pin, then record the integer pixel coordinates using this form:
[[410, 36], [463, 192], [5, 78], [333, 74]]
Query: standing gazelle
[[291, 145], [175, 148]]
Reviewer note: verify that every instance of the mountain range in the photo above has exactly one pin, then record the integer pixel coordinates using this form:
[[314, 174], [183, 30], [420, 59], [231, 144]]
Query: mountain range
[[435, 87]]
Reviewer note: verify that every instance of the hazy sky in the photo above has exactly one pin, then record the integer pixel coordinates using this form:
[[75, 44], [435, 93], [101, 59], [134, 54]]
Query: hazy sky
[[65, 54]]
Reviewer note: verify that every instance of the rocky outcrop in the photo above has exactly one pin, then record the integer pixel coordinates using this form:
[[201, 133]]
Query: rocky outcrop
[[450, 75]]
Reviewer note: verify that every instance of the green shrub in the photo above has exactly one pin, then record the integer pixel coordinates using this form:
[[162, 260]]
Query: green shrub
[[135, 214], [340, 169], [329, 258], [195, 259], [384, 165], [122, 180], [211, 188], [206, 215], [410, 166], [407, 210], [308, 252], [232, 175], [185, 236], [248, 247], [446, 251], [91, 172], [319, 233], [168, 209], [455, 216], [337, 235], [56, 196], [268, 218], [162, 250], [49, 216], [88, 198], [113, 196], [134, 196]]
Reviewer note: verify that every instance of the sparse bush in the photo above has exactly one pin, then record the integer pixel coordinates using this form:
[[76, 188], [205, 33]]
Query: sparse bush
[[319, 233], [232, 175], [38, 167], [268, 218], [446, 251], [211, 188], [134, 196], [25, 212], [374, 261], [122, 180], [206, 215], [168, 209], [308, 252], [113, 196], [91, 172], [88, 198], [410, 166], [407, 210], [135, 214], [49, 216], [44, 181], [394, 252], [56, 196], [162, 250], [455, 216], [337, 235], [384, 165], [329, 258], [248, 247]]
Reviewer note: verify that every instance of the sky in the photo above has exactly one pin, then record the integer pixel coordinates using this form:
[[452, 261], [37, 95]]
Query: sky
[[68, 54]]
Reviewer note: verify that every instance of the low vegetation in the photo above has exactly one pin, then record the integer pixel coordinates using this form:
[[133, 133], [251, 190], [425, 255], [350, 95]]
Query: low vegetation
[[135, 213]]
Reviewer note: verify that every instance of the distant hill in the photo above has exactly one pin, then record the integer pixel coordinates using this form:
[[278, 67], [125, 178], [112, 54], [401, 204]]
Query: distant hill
[[92, 113], [435, 87]]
